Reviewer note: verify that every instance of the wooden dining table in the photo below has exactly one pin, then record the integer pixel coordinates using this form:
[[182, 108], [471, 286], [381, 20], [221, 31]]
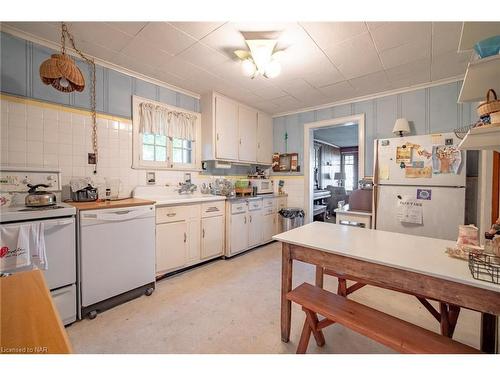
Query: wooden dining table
[[410, 264]]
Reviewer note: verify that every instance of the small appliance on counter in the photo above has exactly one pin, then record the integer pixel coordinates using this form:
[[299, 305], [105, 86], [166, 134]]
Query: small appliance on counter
[[262, 185]]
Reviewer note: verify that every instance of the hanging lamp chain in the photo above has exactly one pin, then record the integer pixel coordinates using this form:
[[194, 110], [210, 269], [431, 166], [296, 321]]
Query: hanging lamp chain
[[91, 63]]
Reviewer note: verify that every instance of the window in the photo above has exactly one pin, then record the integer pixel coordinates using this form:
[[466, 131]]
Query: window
[[349, 165], [177, 149], [154, 147]]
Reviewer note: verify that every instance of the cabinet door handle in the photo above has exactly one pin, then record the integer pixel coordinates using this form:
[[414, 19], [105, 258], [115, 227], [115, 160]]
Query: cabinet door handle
[[258, 145], [185, 237], [250, 218], [245, 219], [203, 233], [171, 214], [240, 141], [217, 136]]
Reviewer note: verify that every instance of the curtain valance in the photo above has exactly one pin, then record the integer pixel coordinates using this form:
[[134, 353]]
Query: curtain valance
[[159, 120]]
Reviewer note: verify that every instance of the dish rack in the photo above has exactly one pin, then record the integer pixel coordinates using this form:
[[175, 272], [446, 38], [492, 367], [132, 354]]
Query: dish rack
[[485, 267]]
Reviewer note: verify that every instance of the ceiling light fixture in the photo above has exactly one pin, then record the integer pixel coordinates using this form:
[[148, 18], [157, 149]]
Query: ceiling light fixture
[[261, 59]]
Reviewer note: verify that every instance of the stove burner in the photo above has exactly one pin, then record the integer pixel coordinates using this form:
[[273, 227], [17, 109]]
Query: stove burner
[[44, 208]]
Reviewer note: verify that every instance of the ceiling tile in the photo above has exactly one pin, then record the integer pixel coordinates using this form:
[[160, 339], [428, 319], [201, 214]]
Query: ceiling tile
[[267, 106], [449, 64], [130, 28], [405, 53], [46, 30], [197, 30], [394, 34], [133, 64], [202, 55], [410, 74], [371, 83], [338, 91], [286, 101], [322, 78], [445, 37], [99, 33], [326, 33], [96, 51], [226, 39], [355, 57], [269, 92], [165, 37], [144, 52]]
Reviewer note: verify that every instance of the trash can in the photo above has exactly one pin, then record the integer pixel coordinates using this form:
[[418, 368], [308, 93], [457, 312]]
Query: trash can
[[291, 218]]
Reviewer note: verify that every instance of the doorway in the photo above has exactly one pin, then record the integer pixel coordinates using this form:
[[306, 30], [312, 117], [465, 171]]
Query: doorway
[[334, 162]]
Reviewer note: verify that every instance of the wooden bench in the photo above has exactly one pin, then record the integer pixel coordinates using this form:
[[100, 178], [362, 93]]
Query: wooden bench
[[404, 337]]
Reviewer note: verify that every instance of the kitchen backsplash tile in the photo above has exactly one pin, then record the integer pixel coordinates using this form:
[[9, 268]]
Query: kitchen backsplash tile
[[34, 136]]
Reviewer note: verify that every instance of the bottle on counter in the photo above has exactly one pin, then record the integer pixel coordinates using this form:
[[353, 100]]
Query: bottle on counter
[[108, 195]]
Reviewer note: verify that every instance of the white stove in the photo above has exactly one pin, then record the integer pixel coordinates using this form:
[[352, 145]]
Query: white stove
[[59, 230]]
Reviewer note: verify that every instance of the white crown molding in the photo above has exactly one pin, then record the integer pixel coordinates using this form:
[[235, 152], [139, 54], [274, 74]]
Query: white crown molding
[[374, 96], [47, 43]]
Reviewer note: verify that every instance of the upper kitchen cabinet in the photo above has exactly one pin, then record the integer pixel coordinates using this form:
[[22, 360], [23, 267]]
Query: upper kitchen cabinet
[[232, 131], [247, 129], [264, 138]]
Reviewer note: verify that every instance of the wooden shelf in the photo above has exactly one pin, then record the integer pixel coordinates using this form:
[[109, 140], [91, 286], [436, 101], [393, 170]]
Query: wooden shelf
[[482, 138], [480, 76]]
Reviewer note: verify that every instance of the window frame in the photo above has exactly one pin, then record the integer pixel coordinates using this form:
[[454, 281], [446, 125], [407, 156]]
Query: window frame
[[137, 142]]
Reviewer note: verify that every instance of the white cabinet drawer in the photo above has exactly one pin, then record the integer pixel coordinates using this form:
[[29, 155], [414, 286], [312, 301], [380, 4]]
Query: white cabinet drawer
[[176, 213], [268, 202], [210, 209], [255, 204], [65, 301], [268, 211], [238, 207]]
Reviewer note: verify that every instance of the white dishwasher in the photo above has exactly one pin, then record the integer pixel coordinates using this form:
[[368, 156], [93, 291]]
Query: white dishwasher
[[117, 256]]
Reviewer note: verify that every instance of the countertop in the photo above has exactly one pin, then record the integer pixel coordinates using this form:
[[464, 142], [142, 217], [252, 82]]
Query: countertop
[[29, 321], [274, 195], [423, 255], [182, 199], [96, 205]]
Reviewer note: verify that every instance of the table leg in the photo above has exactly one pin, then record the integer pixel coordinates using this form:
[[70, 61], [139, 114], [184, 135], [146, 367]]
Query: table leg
[[445, 323], [488, 333], [319, 276], [286, 286]]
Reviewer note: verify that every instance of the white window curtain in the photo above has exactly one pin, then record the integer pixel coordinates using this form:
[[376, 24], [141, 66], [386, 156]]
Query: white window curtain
[[159, 120]]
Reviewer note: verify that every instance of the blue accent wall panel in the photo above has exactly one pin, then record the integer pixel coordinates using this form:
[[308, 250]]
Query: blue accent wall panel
[[168, 96], [119, 94], [443, 108], [144, 89], [413, 109], [428, 110], [367, 107], [279, 134], [20, 61], [324, 114], [386, 116], [82, 99], [41, 90], [13, 65], [186, 102]]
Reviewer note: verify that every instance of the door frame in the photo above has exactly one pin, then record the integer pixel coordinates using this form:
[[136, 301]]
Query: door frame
[[308, 146]]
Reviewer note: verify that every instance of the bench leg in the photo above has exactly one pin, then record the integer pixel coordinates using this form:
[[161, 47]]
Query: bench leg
[[319, 276], [304, 338], [342, 288], [312, 319]]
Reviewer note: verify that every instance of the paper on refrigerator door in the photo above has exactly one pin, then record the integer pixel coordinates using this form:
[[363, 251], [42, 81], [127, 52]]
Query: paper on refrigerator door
[[410, 210]]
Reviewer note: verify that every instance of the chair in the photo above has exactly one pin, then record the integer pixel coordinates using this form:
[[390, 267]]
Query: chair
[[338, 194]]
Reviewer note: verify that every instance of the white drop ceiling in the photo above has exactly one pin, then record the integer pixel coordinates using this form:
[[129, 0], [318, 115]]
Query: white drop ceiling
[[324, 61]]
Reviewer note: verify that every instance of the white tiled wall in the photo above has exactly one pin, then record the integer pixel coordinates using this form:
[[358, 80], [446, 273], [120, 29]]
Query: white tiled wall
[[35, 136], [294, 187]]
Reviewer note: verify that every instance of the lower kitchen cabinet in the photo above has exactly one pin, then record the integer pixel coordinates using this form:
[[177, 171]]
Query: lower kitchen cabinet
[[212, 236], [254, 228], [188, 234], [268, 227], [171, 245], [237, 233]]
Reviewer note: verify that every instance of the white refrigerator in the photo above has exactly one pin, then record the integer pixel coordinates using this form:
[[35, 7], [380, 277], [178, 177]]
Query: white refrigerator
[[420, 185]]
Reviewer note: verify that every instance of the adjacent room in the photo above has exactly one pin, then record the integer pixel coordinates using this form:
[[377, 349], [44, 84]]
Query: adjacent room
[[213, 186]]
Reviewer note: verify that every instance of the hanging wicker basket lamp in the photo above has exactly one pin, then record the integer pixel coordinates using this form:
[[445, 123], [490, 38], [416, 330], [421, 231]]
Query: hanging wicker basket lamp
[[60, 70]]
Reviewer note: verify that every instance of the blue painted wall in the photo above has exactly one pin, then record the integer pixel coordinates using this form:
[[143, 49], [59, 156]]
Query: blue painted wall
[[429, 110], [21, 59]]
